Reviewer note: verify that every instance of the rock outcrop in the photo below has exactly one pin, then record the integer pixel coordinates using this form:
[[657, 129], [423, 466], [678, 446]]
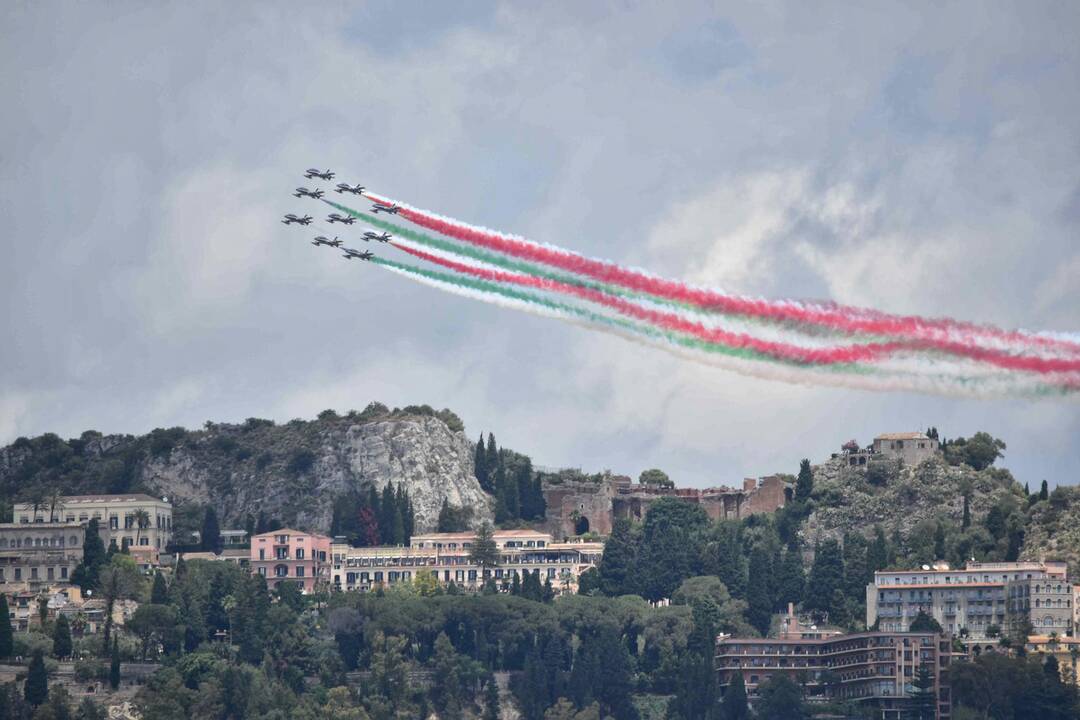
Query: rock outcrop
[[292, 472], [899, 497]]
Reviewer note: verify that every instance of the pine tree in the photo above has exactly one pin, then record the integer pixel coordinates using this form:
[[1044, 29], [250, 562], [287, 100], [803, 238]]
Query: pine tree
[[804, 485], [159, 593], [618, 564], [36, 689], [61, 638], [758, 600], [210, 539], [484, 552], [923, 702], [7, 638], [114, 665]]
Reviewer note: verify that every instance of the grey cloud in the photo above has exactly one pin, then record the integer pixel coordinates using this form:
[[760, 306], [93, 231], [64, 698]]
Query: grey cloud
[[148, 152]]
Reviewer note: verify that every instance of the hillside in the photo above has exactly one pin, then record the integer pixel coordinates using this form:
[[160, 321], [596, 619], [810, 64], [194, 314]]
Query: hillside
[[292, 472]]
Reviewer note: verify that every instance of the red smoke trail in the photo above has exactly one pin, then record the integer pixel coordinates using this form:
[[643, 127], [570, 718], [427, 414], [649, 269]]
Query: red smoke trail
[[834, 317], [783, 351]]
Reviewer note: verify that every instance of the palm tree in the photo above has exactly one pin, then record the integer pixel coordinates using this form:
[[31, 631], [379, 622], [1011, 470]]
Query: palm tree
[[38, 501], [142, 521], [56, 504], [228, 604]]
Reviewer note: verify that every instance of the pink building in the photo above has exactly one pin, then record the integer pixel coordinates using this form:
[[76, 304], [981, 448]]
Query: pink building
[[292, 555]]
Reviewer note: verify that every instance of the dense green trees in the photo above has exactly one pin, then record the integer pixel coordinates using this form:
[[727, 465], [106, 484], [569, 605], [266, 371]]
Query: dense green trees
[[36, 688], [1000, 687], [510, 478], [61, 638], [374, 518], [618, 565], [6, 636]]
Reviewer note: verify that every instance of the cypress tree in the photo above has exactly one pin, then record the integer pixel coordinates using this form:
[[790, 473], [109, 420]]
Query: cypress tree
[[792, 578], [387, 515], [855, 567], [502, 496], [966, 522], [491, 698], [1044, 491], [7, 638], [939, 541], [36, 690], [61, 638], [804, 485], [159, 593], [114, 665], [619, 561], [480, 468], [491, 455], [877, 555], [826, 578], [210, 539], [735, 705], [759, 610]]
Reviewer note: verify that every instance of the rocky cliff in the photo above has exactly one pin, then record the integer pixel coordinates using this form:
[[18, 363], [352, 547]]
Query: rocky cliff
[[292, 472], [899, 497]]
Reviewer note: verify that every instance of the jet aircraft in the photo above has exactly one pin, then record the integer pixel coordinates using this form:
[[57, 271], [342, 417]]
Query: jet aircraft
[[290, 219], [344, 188], [314, 173], [383, 207], [350, 254], [334, 217], [322, 240], [369, 235], [304, 192]]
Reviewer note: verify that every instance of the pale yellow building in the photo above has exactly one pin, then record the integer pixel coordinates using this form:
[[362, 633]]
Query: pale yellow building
[[118, 517], [446, 557], [1066, 650]]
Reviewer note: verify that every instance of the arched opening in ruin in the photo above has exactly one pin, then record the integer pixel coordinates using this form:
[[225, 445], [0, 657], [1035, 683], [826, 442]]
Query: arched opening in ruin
[[581, 525]]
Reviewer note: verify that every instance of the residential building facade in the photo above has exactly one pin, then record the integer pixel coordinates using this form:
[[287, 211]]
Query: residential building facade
[[33, 556], [980, 601], [293, 556], [875, 668], [446, 557], [118, 516]]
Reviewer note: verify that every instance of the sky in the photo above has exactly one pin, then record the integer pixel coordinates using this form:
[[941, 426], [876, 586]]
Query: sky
[[915, 158]]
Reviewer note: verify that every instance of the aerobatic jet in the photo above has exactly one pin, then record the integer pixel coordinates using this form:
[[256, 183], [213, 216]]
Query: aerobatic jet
[[314, 173], [350, 254], [344, 188], [369, 235], [322, 240], [290, 219], [304, 192], [334, 217], [383, 207]]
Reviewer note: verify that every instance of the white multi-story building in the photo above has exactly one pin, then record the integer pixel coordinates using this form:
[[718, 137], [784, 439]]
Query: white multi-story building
[[140, 522], [446, 557], [980, 597]]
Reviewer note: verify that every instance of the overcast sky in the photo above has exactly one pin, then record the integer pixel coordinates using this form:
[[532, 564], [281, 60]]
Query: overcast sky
[[913, 161]]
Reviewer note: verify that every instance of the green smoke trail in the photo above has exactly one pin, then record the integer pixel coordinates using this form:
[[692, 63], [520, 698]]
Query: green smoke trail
[[484, 286]]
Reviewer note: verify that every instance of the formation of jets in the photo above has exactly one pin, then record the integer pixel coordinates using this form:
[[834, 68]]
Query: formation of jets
[[383, 207], [317, 194]]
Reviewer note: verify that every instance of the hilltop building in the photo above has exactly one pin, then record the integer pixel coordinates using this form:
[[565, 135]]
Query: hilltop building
[[983, 599], [291, 555], [911, 447], [446, 557], [118, 517]]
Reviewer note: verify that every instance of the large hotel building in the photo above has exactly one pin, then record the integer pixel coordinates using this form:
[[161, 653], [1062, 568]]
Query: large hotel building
[[1001, 595], [446, 557]]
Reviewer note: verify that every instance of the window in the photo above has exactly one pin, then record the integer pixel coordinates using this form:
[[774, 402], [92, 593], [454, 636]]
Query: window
[[18, 574], [144, 541], [262, 554], [114, 522], [49, 574], [63, 573], [281, 571], [73, 541], [33, 574], [299, 571], [299, 553]]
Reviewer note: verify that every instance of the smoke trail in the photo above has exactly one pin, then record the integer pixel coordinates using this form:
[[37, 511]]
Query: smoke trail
[[741, 360], [955, 336]]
